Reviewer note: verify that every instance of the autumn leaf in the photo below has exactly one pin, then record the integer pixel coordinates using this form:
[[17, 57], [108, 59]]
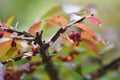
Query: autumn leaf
[[34, 28], [10, 20], [6, 34], [94, 20], [87, 33], [57, 21], [7, 51], [9, 54], [90, 44], [4, 46]]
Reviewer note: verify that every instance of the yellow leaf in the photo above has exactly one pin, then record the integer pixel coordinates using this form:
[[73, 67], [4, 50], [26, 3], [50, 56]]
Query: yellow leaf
[[10, 20], [9, 54]]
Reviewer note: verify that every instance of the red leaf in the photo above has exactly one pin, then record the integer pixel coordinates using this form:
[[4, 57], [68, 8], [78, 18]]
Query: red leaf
[[94, 20], [35, 27], [90, 44], [57, 21]]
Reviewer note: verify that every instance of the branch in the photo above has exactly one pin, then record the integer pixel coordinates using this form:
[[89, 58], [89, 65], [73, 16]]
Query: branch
[[12, 59], [46, 59], [19, 33], [43, 47], [114, 65], [62, 30], [23, 38]]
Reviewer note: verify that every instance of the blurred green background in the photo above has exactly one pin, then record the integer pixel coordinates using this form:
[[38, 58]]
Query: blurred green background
[[108, 11]]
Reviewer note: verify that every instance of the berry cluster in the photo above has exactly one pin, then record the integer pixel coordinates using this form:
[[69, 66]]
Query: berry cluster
[[16, 74], [69, 58], [75, 37]]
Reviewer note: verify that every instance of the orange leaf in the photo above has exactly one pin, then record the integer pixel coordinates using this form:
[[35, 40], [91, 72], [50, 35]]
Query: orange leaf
[[4, 46], [87, 33], [34, 28], [57, 21], [90, 44], [6, 51], [10, 20], [6, 34]]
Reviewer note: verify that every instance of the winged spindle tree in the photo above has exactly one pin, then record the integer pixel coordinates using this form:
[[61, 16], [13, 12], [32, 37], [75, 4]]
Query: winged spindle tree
[[19, 46]]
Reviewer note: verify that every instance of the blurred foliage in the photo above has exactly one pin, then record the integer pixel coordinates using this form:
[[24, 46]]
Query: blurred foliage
[[108, 11]]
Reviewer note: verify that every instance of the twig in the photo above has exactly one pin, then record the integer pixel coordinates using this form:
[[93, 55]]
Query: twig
[[114, 65], [23, 38]]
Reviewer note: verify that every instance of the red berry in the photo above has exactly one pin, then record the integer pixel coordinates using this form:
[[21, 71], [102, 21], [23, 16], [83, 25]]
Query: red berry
[[13, 43], [32, 68], [71, 35], [15, 77], [73, 53], [19, 51], [28, 58], [63, 58], [7, 74], [1, 33], [78, 36], [75, 36], [95, 75], [34, 48], [69, 58]]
